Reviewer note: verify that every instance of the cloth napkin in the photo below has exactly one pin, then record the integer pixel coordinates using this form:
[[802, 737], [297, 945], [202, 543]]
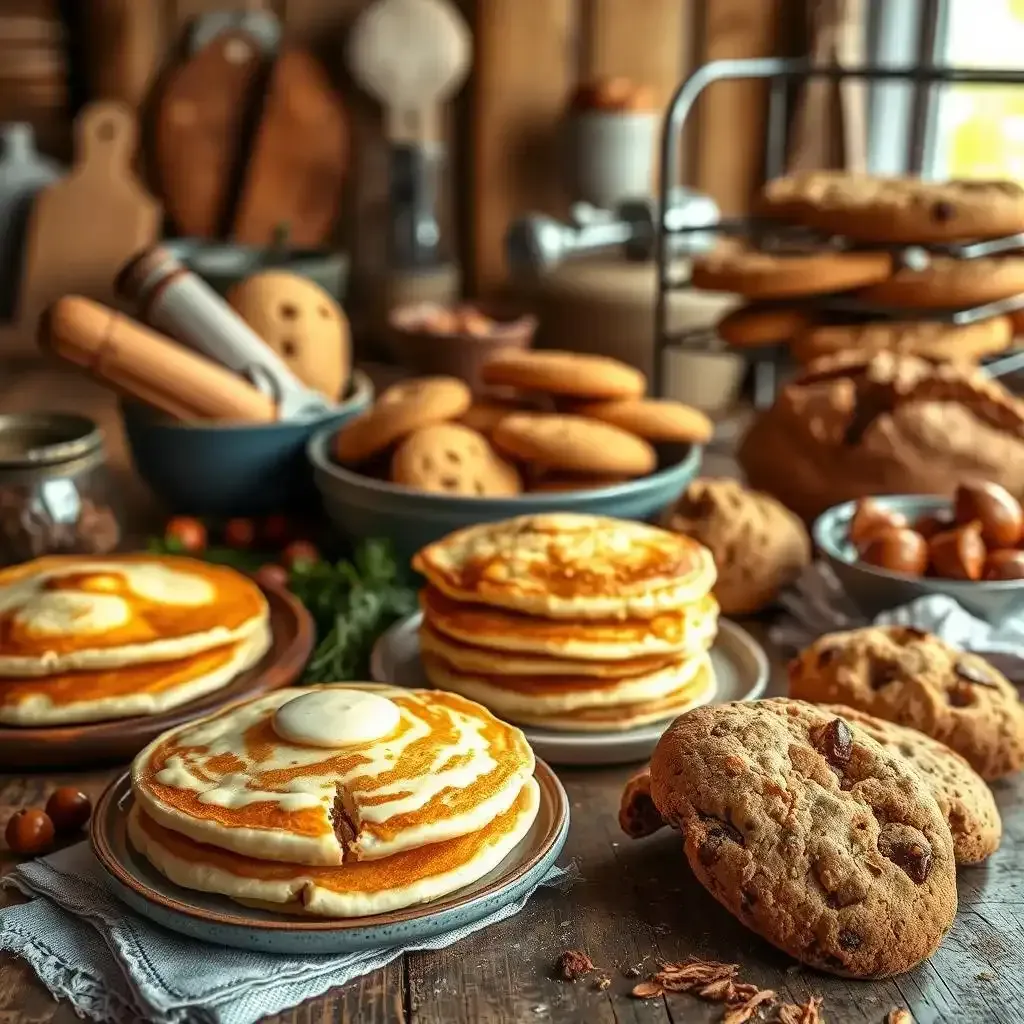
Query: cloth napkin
[[817, 604], [112, 965]]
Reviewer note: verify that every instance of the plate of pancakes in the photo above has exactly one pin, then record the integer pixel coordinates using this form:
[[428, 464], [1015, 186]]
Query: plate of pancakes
[[100, 654], [328, 819], [590, 633]]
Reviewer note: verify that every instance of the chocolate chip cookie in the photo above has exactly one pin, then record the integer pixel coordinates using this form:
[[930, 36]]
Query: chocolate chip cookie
[[961, 793], [815, 836], [907, 676]]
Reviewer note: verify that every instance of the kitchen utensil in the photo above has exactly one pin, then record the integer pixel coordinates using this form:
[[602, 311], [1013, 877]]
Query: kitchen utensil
[[174, 300], [299, 158], [145, 365], [23, 172], [123, 50], [199, 131], [84, 227], [261, 26], [412, 55]]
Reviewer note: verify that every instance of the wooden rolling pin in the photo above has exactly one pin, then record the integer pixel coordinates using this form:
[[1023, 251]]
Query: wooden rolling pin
[[143, 364]]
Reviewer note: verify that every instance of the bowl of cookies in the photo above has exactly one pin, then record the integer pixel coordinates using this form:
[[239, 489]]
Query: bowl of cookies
[[456, 341], [571, 432], [888, 551]]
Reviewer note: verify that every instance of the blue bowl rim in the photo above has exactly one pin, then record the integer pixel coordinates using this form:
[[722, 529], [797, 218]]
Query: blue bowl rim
[[360, 395], [823, 527], [316, 450]]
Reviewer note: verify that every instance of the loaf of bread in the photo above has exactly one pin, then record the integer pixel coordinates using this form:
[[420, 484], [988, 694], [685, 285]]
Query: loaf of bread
[[858, 424]]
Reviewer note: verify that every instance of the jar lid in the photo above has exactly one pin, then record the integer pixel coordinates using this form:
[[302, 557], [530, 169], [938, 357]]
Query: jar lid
[[38, 439]]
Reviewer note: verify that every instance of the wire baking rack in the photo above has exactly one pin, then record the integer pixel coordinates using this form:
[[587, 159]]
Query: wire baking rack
[[780, 74]]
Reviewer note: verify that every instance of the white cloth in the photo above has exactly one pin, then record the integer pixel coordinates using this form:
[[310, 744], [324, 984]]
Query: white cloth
[[817, 604], [113, 965]]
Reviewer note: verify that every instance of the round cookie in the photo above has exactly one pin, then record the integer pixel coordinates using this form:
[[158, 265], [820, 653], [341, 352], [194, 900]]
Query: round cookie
[[928, 339], [812, 834], [448, 458], [907, 210], [961, 793], [565, 373], [948, 283], [401, 409], [789, 198], [486, 413], [574, 444], [760, 547], [654, 419], [907, 676], [756, 325], [302, 323], [769, 275]]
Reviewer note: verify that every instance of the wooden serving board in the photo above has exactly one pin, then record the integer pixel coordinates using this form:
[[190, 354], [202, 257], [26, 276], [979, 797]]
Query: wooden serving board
[[83, 228], [299, 158], [199, 131], [120, 739]]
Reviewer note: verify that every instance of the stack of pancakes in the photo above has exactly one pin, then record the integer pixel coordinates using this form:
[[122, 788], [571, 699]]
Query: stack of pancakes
[[570, 622], [339, 801], [86, 639]]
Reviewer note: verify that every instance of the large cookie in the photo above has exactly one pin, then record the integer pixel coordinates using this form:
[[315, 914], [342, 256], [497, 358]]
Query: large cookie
[[813, 835], [948, 283], [962, 795], [910, 677], [569, 374]]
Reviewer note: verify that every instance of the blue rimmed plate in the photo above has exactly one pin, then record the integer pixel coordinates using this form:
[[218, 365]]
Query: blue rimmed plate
[[220, 920]]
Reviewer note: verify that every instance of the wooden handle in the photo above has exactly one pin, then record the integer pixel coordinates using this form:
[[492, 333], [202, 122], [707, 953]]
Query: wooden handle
[[105, 138], [143, 364], [124, 44]]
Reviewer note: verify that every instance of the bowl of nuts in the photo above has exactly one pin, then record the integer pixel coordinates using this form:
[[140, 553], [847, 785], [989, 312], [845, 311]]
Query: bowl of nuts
[[890, 550], [427, 338]]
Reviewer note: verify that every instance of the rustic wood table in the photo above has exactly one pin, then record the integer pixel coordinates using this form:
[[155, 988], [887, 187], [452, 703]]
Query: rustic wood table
[[635, 902]]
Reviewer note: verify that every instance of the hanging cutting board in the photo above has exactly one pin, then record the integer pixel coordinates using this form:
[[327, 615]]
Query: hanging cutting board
[[83, 228], [198, 134], [298, 158]]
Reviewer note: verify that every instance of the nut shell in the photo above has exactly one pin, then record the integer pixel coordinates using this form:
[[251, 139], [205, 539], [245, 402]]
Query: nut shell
[[1006, 564], [69, 809], [958, 554], [998, 512], [29, 831], [898, 549], [868, 518]]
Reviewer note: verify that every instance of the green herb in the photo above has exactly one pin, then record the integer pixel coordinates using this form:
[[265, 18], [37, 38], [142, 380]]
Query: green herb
[[352, 601]]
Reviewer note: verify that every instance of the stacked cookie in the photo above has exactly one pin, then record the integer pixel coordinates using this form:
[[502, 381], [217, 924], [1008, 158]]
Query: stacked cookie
[[888, 213], [565, 421], [570, 622]]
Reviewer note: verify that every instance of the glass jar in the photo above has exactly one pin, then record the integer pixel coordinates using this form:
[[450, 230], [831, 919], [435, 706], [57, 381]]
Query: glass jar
[[55, 490]]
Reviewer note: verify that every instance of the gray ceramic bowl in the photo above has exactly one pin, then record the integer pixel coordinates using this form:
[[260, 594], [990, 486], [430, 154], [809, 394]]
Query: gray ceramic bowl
[[876, 590], [223, 469], [362, 506]]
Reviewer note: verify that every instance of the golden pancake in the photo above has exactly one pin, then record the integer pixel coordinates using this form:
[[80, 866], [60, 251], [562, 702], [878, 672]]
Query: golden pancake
[[438, 767], [565, 565], [349, 890], [146, 689], [472, 658], [509, 696], [672, 632], [700, 690], [64, 613]]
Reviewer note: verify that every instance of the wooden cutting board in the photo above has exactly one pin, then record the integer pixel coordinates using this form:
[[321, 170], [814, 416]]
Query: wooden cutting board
[[199, 130], [83, 228], [298, 159]]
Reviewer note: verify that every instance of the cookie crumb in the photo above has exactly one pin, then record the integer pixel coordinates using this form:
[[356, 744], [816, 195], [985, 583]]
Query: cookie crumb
[[985, 976], [739, 1013], [899, 1016], [801, 1013], [602, 983], [647, 990], [573, 964]]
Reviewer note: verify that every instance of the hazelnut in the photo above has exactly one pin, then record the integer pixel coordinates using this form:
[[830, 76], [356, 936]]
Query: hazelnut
[[958, 554], [898, 549], [29, 831], [932, 523], [1007, 564], [69, 809], [868, 518], [998, 512]]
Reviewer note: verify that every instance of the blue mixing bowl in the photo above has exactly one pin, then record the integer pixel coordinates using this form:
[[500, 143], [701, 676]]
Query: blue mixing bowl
[[220, 470], [362, 506]]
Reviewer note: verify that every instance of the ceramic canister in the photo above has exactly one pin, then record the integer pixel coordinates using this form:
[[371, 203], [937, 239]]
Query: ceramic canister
[[612, 155]]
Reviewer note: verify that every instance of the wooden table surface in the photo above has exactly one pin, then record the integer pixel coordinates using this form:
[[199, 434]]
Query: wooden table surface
[[634, 903]]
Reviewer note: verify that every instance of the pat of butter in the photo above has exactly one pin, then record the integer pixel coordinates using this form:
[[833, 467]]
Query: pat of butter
[[336, 718]]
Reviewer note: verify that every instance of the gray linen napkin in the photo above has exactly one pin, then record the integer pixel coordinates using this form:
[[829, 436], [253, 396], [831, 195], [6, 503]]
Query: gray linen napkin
[[113, 965], [817, 604]]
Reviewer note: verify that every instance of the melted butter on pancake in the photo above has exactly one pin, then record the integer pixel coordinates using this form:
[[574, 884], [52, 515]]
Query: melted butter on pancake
[[336, 718], [568, 565], [448, 767], [55, 613]]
